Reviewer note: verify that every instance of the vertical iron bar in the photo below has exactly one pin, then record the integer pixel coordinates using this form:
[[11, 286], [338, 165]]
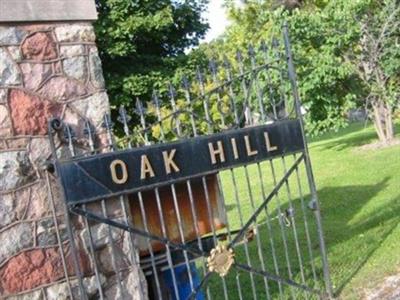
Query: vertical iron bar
[[205, 188], [156, 103], [144, 219], [134, 252], [211, 220], [91, 248], [89, 132], [270, 232], [164, 232], [140, 110], [74, 254], [283, 230], [228, 229], [277, 53], [113, 258], [181, 233], [214, 74], [135, 257], [252, 55], [186, 87], [246, 248], [232, 95], [264, 49], [196, 225], [264, 119], [67, 131], [174, 197], [172, 93], [307, 160], [107, 124], [291, 213], [247, 109], [258, 241], [200, 79], [226, 64], [293, 81], [307, 232], [59, 241]]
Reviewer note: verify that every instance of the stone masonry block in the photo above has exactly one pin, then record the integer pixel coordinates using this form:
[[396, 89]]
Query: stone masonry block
[[30, 114], [40, 46], [9, 73], [15, 239], [11, 35], [75, 33], [15, 170]]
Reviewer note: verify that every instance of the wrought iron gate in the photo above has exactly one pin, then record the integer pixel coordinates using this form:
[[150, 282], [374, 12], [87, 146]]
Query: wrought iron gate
[[215, 187]]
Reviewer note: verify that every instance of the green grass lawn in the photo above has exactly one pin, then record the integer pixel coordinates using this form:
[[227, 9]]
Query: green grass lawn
[[360, 198], [359, 192]]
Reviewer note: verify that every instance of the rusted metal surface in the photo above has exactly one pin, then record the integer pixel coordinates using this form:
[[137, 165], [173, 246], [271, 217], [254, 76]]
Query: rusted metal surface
[[170, 214]]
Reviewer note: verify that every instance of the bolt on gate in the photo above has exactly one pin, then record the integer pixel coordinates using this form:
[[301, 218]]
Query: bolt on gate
[[215, 187]]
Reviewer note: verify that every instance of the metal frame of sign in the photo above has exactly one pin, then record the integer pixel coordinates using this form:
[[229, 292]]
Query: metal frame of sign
[[87, 179]]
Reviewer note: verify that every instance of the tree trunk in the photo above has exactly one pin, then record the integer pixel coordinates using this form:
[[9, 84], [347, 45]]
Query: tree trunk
[[382, 115]]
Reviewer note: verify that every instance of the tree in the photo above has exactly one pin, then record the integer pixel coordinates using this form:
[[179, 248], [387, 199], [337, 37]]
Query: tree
[[346, 54], [327, 84], [378, 63], [142, 43]]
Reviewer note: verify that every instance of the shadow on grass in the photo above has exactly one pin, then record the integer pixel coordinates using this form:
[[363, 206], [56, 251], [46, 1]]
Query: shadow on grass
[[355, 135], [359, 236], [352, 141], [351, 239]]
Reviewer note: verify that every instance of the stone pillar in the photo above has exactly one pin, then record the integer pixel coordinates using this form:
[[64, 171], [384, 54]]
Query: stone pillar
[[49, 66]]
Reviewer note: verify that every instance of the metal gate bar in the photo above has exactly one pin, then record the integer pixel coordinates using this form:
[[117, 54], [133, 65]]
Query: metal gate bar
[[194, 132], [54, 126], [310, 175], [264, 214], [240, 235]]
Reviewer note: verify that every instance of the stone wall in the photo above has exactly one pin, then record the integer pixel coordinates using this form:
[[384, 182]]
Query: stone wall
[[45, 70]]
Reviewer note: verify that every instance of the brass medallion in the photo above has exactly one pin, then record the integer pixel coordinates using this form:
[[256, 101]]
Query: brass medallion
[[220, 260]]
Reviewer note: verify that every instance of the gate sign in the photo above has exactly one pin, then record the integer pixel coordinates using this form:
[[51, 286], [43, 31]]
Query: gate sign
[[109, 174]]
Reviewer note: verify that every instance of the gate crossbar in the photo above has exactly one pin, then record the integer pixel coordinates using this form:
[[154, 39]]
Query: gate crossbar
[[256, 116], [275, 278], [200, 253], [266, 201]]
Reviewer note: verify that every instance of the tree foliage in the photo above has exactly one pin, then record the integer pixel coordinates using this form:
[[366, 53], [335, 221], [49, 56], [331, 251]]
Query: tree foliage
[[347, 53], [142, 43], [331, 41]]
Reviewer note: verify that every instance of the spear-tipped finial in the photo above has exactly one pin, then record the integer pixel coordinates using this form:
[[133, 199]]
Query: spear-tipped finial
[[185, 82], [199, 75], [140, 110], [69, 133], [263, 46], [155, 99], [123, 116], [251, 51], [239, 56], [212, 64], [107, 123], [89, 131], [226, 62], [171, 91], [275, 43]]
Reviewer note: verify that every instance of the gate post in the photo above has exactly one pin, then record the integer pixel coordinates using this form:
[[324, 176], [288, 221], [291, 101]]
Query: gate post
[[49, 67]]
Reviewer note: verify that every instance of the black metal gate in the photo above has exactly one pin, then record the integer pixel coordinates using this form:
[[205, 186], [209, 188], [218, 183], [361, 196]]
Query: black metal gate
[[215, 187]]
